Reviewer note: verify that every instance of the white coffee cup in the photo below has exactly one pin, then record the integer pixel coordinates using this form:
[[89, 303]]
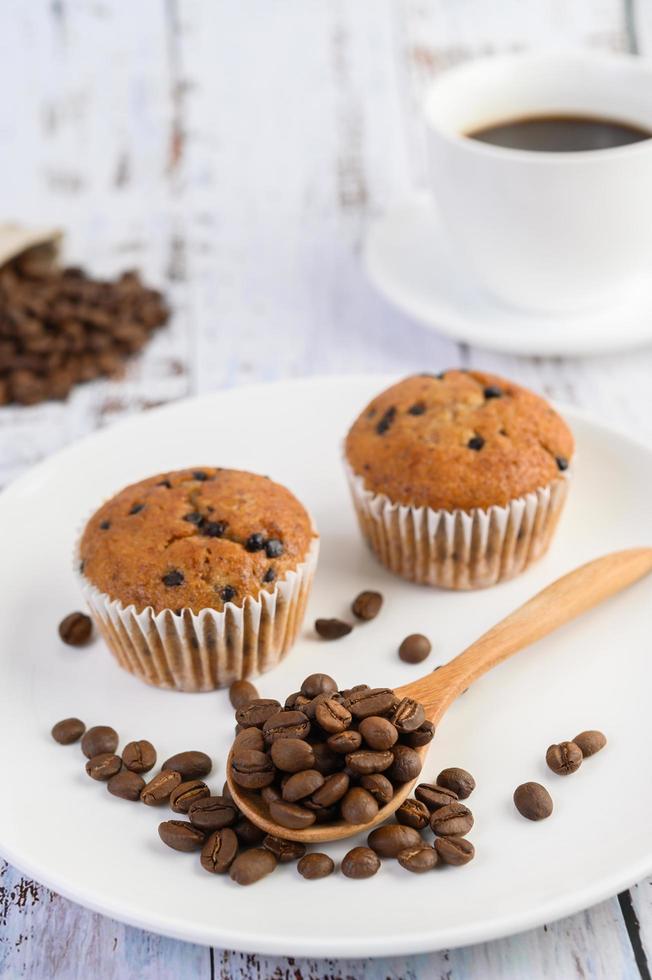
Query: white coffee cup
[[545, 231]]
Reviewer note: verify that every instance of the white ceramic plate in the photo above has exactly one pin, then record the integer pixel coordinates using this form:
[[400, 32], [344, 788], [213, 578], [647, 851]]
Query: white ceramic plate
[[65, 830], [411, 260]]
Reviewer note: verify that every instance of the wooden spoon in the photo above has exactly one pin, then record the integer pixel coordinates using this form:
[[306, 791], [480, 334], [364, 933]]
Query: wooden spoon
[[555, 605]]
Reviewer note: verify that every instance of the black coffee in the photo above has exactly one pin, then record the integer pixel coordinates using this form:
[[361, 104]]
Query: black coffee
[[560, 134]]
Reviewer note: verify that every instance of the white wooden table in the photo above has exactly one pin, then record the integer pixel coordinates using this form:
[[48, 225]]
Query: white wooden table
[[235, 151]]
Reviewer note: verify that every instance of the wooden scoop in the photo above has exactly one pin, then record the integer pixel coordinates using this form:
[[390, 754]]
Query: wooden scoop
[[555, 605]]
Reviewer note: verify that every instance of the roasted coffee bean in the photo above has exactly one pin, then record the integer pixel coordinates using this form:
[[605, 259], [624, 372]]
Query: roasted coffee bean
[[296, 700], [139, 756], [332, 790], [418, 859], [126, 785], [191, 765], [379, 786], [414, 648], [290, 815], [378, 733], [454, 850], [435, 796], [366, 606], [212, 813], [454, 820], [590, 742], [250, 866], [292, 755], [249, 738], [371, 701], [406, 765], [316, 684], [99, 740], [68, 731], [345, 742], [407, 716], [269, 793], [310, 709], [332, 716], [412, 813], [302, 784], [315, 865], [185, 794], [251, 769], [364, 762], [332, 629], [358, 806], [422, 736], [76, 629], [226, 792], [284, 850], [103, 766], [247, 832], [532, 800], [181, 835], [360, 862], [241, 692], [459, 780], [390, 840], [286, 724], [255, 713], [159, 788], [564, 758], [219, 851], [326, 761]]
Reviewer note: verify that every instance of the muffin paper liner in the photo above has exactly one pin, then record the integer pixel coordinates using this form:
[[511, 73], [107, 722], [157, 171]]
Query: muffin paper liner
[[459, 549], [202, 651]]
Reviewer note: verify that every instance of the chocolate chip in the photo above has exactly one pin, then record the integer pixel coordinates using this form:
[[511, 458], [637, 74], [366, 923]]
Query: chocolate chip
[[332, 629], [213, 529], [194, 517], [105, 525], [228, 593], [165, 483], [173, 578], [76, 629], [255, 542], [136, 509], [274, 548], [493, 391], [199, 475], [562, 463], [269, 575], [476, 442], [386, 421], [417, 409]]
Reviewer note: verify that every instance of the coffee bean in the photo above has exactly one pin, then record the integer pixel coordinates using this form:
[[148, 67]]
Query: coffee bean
[[367, 605], [126, 785], [533, 801], [454, 850], [286, 724], [316, 684], [180, 835], [247, 832], [212, 812], [76, 629], [454, 820], [185, 794], [590, 742], [412, 813], [332, 790], [191, 765], [564, 758], [226, 792], [68, 731], [315, 865], [332, 716], [139, 756], [332, 629], [292, 755], [414, 648], [418, 859], [284, 850], [408, 715], [326, 761], [344, 742], [364, 762], [270, 793], [219, 851], [435, 796], [406, 765], [379, 786], [378, 733], [296, 700], [302, 784], [255, 713], [371, 701], [459, 780], [251, 769], [291, 815], [249, 738], [390, 840], [422, 736], [360, 862], [159, 788], [250, 866], [358, 806], [99, 740], [103, 766], [241, 692], [310, 708]]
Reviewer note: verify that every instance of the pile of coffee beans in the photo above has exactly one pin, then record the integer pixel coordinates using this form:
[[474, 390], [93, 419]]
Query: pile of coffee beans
[[58, 327]]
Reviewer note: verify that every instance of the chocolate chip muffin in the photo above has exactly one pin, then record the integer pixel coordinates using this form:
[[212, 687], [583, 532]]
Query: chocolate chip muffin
[[458, 478], [199, 577]]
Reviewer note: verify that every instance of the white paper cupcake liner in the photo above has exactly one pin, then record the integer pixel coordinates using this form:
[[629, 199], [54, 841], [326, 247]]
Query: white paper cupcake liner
[[190, 651], [459, 549]]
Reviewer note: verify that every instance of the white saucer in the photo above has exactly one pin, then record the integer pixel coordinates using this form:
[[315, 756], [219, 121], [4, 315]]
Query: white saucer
[[411, 260]]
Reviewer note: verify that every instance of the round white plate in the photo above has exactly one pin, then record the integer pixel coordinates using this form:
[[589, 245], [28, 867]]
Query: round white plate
[[65, 830], [411, 260]]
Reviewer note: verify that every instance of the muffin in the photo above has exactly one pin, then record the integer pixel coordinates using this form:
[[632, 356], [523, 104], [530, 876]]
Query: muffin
[[459, 478], [199, 577]]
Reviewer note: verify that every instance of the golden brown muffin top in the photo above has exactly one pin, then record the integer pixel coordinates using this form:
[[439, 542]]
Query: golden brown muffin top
[[195, 538], [458, 440]]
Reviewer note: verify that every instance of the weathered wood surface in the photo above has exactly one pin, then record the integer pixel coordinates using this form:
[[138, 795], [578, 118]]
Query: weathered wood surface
[[236, 152]]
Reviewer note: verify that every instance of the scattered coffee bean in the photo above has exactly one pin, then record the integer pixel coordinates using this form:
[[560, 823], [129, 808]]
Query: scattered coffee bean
[[284, 850], [414, 648], [315, 865], [181, 835], [422, 857], [459, 780], [185, 794], [139, 756], [564, 758], [250, 866], [454, 850], [367, 605], [158, 789], [191, 765], [291, 815], [378, 733], [379, 786], [99, 740], [434, 796], [241, 692], [76, 629], [590, 742], [412, 813], [255, 713], [332, 629], [390, 840], [454, 820], [219, 851], [533, 801], [103, 766], [360, 862], [126, 785], [212, 813], [68, 731]]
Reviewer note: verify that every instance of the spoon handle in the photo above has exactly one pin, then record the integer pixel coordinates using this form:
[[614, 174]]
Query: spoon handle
[[555, 605]]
